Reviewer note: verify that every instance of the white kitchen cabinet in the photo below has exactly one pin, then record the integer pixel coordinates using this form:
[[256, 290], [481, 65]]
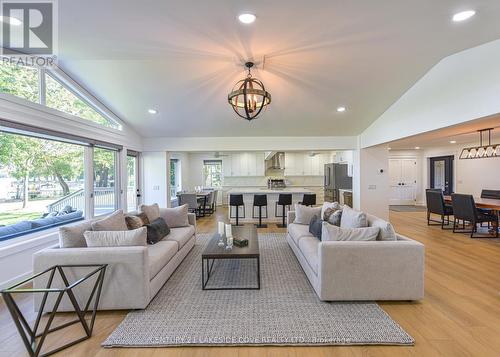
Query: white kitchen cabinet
[[302, 164], [244, 164], [260, 164]]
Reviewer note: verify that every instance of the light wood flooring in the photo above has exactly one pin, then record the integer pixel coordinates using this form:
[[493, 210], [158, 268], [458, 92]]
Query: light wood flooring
[[459, 316]]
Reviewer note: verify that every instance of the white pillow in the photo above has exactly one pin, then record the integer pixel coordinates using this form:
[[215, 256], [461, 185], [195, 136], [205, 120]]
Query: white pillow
[[151, 211], [326, 205], [304, 214], [136, 237], [114, 222], [352, 218], [176, 217], [387, 232], [333, 233]]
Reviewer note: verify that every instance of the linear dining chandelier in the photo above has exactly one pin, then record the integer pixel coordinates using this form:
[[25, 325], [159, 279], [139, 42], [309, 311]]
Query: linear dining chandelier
[[482, 151], [249, 96]]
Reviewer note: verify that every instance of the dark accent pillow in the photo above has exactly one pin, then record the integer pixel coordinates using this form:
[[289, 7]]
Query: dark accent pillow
[[333, 216], [157, 230], [136, 221], [315, 227]]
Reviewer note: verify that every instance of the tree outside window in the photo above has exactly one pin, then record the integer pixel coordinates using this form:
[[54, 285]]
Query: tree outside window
[[212, 173]]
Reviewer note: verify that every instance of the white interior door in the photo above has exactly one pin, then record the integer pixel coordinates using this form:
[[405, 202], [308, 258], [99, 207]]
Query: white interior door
[[403, 181]]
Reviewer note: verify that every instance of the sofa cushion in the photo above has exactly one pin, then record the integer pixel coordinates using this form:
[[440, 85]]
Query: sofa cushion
[[304, 214], [157, 230], [316, 226], [135, 221], [334, 233], [176, 217], [352, 218], [181, 235], [132, 238], [297, 231], [387, 232], [151, 211], [159, 255], [309, 248], [114, 222], [72, 236]]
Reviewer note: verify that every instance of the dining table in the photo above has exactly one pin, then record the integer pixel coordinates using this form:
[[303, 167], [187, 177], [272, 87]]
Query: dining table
[[199, 194], [487, 203]]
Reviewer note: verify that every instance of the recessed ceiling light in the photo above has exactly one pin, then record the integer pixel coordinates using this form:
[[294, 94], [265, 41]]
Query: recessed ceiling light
[[417, 147], [463, 15], [341, 109], [152, 111], [453, 142], [247, 18], [10, 20]]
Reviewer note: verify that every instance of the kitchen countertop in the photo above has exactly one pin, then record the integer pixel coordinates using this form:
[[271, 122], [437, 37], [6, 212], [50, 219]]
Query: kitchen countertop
[[249, 190]]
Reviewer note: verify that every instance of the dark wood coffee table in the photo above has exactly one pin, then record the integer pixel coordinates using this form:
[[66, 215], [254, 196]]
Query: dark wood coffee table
[[213, 252]]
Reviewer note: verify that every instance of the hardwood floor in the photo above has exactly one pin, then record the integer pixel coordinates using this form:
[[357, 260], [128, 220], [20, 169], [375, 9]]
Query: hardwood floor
[[459, 316]]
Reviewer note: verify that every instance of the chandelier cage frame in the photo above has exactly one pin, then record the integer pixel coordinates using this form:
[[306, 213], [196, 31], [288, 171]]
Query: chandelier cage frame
[[482, 151]]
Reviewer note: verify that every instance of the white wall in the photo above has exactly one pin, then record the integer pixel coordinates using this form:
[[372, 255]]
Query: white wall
[[460, 88], [373, 184], [155, 178]]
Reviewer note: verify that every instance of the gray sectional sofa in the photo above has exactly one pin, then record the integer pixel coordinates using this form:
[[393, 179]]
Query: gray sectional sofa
[[135, 274], [359, 270]]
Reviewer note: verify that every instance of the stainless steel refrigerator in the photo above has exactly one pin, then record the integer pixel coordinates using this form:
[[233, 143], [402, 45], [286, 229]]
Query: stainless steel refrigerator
[[336, 178]]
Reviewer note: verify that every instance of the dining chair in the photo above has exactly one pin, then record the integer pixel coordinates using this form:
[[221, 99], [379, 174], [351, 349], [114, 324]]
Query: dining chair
[[209, 203], [494, 194], [191, 200], [464, 208], [436, 205], [214, 206]]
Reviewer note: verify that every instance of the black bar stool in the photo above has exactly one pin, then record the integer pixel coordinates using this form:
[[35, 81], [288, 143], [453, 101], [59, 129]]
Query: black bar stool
[[259, 201], [284, 199], [236, 201], [309, 199]]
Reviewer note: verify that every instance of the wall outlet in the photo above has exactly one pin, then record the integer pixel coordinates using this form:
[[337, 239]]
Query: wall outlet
[[372, 187]]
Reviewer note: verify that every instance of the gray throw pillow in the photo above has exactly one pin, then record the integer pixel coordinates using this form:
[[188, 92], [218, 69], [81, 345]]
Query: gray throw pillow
[[352, 218], [387, 231], [157, 230], [175, 217], [114, 222], [72, 236], [136, 237], [334, 233], [316, 227], [304, 214], [152, 211], [327, 205], [332, 216]]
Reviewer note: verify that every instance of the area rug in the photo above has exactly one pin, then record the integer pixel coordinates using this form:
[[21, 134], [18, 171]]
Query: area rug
[[285, 311]]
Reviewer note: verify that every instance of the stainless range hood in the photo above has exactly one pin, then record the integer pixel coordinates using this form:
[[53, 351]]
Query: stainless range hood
[[276, 161]]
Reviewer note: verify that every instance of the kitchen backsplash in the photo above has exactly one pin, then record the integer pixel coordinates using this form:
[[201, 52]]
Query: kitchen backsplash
[[299, 181]]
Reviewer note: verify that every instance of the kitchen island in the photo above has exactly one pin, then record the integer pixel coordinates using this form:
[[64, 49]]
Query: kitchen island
[[272, 198]]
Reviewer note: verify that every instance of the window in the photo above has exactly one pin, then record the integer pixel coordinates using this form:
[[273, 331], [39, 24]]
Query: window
[[105, 197], [175, 177], [41, 184], [212, 173], [19, 81], [61, 98], [132, 182]]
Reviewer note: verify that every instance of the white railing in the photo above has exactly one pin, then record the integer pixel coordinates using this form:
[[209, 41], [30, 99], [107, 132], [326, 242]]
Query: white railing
[[75, 200]]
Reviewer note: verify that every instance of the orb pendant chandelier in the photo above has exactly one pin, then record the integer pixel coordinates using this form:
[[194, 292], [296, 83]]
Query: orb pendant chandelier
[[249, 96]]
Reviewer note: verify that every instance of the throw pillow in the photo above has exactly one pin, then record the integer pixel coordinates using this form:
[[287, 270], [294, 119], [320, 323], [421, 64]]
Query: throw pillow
[[157, 230], [304, 214], [326, 205], [352, 218], [176, 217], [333, 216], [387, 231], [114, 222], [151, 211], [72, 236], [315, 227], [334, 233], [136, 221], [136, 237]]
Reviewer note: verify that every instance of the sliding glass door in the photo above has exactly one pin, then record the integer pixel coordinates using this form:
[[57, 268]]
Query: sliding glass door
[[105, 168], [133, 191]]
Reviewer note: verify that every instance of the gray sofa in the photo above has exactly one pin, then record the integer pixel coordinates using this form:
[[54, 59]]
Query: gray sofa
[[134, 274], [355, 270]]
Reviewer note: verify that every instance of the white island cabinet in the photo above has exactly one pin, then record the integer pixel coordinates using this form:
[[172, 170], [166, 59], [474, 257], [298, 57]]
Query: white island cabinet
[[272, 198]]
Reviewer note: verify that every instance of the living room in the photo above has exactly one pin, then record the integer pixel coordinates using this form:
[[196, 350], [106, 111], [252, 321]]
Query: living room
[[311, 171]]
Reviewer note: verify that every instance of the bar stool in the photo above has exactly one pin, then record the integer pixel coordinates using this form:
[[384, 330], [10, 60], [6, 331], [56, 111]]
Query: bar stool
[[259, 201], [236, 201], [284, 199], [309, 199]]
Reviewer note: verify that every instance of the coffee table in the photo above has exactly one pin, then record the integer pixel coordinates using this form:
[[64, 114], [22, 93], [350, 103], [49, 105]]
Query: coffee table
[[213, 252]]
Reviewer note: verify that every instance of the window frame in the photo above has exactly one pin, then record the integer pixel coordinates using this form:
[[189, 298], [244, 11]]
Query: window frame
[[213, 162]]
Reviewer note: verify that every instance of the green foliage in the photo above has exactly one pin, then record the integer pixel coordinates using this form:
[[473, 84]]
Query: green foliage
[[7, 218], [19, 81], [104, 168]]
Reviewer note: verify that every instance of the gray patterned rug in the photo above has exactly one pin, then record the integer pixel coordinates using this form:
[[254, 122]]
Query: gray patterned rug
[[286, 311]]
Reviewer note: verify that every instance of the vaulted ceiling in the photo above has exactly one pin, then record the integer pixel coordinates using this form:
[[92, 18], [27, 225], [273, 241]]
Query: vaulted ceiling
[[182, 57]]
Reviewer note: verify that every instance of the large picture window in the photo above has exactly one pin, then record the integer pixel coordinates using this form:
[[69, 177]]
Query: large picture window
[[212, 173], [19, 81], [41, 184], [104, 181]]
